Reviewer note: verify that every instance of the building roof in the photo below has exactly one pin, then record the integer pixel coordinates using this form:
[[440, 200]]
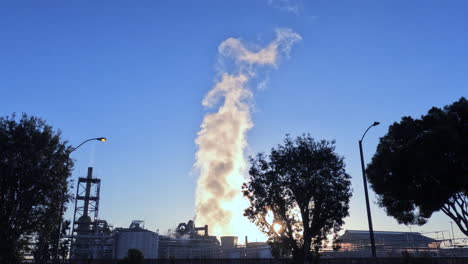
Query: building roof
[[385, 237]]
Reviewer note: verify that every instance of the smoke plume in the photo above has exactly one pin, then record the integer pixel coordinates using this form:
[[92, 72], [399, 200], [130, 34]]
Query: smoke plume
[[222, 138]]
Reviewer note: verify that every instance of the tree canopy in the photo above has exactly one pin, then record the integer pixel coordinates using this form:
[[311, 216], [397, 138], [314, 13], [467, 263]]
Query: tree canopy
[[298, 195], [34, 168], [421, 166]]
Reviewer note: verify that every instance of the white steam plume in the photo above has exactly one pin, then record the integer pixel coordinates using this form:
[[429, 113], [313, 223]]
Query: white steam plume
[[222, 138]]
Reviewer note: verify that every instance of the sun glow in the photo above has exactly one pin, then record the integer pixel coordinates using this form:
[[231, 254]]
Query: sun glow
[[277, 227]]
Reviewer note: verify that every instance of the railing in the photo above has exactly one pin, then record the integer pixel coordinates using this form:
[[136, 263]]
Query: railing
[[407, 260]]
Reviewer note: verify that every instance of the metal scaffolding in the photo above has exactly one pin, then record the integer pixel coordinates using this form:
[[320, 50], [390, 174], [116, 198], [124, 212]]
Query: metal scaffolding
[[90, 237]]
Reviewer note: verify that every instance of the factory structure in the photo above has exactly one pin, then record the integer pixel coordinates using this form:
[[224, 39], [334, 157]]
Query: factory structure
[[94, 238]]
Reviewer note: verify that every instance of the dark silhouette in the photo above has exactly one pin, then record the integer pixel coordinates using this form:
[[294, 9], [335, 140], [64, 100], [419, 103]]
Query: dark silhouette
[[64, 244], [421, 166], [366, 193], [34, 168], [134, 256], [304, 186]]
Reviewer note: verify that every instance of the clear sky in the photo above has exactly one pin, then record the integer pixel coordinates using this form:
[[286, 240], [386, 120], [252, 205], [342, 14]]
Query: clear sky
[[137, 71]]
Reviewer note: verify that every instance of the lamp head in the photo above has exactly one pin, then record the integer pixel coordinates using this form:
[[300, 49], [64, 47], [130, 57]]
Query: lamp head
[[376, 123], [102, 139]]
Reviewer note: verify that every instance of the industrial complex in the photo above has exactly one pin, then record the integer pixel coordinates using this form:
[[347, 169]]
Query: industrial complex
[[94, 238]]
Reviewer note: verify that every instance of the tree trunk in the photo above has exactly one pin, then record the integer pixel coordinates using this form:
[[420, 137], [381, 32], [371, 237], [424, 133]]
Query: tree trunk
[[8, 251], [298, 257]]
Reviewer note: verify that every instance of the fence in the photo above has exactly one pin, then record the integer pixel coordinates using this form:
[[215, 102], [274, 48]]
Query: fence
[[407, 260]]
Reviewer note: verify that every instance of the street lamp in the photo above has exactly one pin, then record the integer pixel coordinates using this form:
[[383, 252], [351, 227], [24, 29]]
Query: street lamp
[[369, 217], [102, 139]]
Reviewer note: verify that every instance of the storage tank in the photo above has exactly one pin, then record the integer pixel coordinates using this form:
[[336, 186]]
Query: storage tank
[[138, 238]]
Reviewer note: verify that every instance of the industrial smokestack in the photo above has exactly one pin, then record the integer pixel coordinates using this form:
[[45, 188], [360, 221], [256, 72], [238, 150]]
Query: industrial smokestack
[[222, 138], [87, 191]]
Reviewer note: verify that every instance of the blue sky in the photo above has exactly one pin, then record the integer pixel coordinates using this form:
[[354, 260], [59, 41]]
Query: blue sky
[[136, 72]]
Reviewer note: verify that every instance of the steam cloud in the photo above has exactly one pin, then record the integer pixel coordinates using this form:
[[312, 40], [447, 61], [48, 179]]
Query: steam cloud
[[222, 138]]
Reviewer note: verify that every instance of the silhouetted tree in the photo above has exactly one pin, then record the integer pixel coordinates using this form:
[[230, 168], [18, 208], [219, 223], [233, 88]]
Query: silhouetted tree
[[64, 246], [134, 256], [421, 166], [34, 168], [45, 246], [303, 188]]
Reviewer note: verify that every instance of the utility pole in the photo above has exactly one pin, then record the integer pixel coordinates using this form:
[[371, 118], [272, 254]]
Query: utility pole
[[369, 217], [453, 236]]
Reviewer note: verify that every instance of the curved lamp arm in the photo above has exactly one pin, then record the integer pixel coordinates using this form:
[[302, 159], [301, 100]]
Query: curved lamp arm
[[102, 139], [373, 125]]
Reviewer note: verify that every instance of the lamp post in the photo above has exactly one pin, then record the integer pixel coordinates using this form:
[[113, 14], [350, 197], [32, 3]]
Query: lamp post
[[369, 217], [453, 236], [102, 139]]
